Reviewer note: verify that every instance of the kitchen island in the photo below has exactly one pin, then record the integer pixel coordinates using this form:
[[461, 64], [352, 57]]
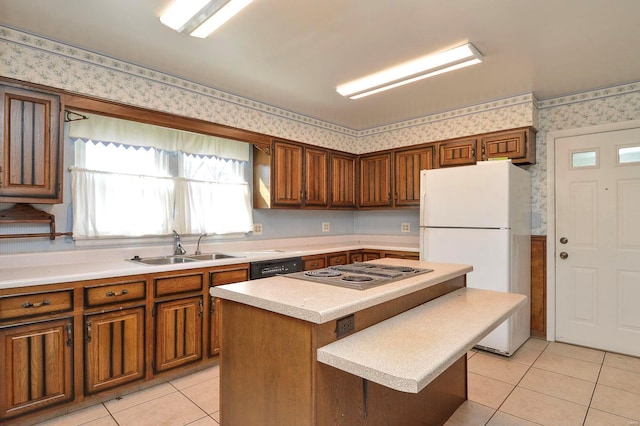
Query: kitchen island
[[296, 352]]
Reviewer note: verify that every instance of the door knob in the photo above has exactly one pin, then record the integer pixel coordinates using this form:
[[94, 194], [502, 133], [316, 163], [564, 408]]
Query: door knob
[[563, 255], [563, 240]]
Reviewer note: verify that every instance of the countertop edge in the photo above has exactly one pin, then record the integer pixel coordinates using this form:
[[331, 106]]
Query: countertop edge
[[350, 354]]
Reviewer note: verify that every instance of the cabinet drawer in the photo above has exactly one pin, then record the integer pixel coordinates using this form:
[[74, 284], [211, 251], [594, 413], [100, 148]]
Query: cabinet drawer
[[32, 304], [338, 259], [313, 263], [178, 284], [114, 293], [228, 277]]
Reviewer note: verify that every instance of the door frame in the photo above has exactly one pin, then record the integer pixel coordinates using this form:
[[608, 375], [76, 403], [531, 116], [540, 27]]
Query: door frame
[[551, 206]]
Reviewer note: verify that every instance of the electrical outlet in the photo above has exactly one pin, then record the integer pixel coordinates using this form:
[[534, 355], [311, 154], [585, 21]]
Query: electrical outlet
[[325, 227], [405, 227], [345, 326], [257, 229]]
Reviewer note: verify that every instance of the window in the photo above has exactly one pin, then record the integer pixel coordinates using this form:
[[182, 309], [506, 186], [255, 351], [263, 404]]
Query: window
[[584, 159], [134, 180], [629, 154]]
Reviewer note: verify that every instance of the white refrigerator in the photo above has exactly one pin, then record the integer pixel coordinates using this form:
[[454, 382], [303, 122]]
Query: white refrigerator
[[480, 215]]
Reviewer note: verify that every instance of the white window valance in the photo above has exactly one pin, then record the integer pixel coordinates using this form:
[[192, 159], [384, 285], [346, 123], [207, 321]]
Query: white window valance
[[107, 129]]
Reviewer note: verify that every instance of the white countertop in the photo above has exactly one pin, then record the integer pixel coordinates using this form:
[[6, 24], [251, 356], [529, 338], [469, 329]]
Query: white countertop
[[408, 351], [28, 269], [320, 303]]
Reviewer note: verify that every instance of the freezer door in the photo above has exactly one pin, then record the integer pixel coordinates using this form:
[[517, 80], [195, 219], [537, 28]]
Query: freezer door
[[470, 196]]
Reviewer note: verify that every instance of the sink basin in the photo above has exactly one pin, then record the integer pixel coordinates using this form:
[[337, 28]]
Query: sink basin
[[210, 256], [163, 260], [186, 258]]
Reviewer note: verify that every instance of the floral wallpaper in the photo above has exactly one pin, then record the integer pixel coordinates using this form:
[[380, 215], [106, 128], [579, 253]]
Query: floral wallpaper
[[38, 60]]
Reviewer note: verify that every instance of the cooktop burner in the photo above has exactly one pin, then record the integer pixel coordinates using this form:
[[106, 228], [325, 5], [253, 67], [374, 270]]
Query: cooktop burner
[[360, 276]]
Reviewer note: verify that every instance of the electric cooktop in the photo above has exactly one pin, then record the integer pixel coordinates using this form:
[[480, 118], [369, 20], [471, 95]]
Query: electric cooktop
[[359, 276]]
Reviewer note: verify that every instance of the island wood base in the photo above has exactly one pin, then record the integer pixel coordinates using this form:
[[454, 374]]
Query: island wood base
[[269, 374]]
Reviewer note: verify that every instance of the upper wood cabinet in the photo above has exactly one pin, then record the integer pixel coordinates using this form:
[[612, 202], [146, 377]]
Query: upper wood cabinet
[[343, 180], [407, 166], [375, 180], [518, 145], [31, 151], [286, 186], [461, 152], [291, 175], [316, 177]]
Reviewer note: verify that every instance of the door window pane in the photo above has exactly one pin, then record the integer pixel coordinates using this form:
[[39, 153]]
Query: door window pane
[[629, 154], [584, 159]]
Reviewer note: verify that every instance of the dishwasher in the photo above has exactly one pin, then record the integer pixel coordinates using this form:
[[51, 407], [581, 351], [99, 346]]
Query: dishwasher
[[270, 268]]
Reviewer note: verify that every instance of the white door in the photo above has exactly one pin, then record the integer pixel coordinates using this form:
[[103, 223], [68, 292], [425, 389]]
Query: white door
[[597, 245]]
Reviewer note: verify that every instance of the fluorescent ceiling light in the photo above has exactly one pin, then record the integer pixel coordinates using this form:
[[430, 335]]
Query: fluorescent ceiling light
[[199, 18], [418, 69]]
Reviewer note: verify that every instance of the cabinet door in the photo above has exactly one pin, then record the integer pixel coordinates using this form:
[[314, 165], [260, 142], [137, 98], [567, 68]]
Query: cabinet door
[[37, 366], [457, 153], [315, 177], [287, 174], [343, 180], [221, 277], [31, 152], [114, 352], [517, 145], [178, 332], [407, 168], [375, 180]]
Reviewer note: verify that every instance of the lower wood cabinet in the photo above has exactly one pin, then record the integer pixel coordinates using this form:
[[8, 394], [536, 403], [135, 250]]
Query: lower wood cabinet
[[220, 276], [37, 366], [178, 329], [114, 353]]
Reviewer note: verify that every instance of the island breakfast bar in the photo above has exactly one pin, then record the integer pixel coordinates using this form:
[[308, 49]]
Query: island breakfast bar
[[400, 357]]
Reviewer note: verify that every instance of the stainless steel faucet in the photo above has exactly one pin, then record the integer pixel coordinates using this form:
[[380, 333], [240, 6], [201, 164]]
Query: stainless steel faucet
[[198, 247], [177, 245]]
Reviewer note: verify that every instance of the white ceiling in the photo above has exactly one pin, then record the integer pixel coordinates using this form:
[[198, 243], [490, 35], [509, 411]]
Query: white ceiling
[[293, 53]]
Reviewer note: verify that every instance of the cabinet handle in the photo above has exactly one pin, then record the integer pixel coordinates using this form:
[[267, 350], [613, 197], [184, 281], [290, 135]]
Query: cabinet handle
[[212, 305], [69, 334], [88, 331], [201, 308], [37, 304], [115, 293]]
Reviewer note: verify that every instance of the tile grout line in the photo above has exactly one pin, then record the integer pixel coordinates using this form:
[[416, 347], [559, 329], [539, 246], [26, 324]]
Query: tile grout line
[[516, 385]]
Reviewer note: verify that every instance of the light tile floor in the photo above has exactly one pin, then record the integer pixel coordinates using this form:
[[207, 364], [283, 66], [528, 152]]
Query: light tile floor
[[541, 384]]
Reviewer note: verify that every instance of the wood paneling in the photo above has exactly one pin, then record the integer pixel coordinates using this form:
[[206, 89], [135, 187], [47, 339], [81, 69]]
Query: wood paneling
[[539, 286], [375, 180]]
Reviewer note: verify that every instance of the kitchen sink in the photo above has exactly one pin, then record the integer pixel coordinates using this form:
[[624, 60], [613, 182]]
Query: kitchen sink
[[211, 256], [178, 259]]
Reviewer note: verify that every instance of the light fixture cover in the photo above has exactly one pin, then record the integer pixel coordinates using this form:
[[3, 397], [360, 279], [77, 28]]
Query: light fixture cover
[[409, 72], [199, 18]]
